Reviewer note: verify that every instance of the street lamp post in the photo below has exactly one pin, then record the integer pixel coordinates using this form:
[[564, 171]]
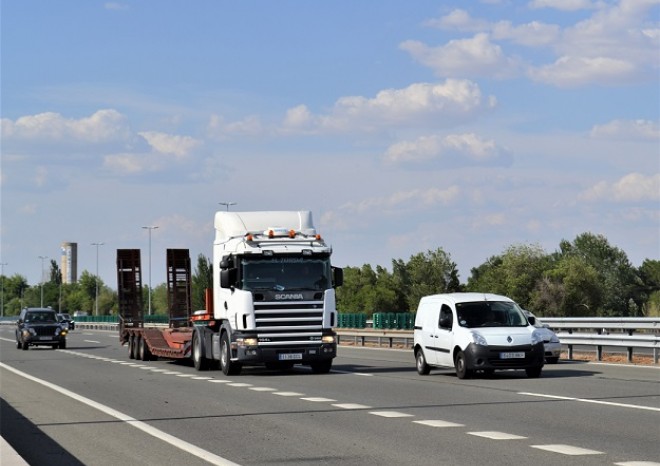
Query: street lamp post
[[42, 278], [2, 289], [227, 204], [96, 296], [150, 228]]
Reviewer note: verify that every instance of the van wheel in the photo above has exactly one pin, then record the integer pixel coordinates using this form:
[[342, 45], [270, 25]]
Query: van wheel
[[62, 344], [462, 372], [553, 360], [199, 361], [24, 345], [228, 367], [534, 372], [420, 361]]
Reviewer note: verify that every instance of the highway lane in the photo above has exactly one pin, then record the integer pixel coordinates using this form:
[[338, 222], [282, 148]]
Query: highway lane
[[372, 409]]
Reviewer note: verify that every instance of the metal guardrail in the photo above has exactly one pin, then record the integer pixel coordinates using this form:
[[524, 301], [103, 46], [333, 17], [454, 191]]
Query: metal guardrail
[[635, 333]]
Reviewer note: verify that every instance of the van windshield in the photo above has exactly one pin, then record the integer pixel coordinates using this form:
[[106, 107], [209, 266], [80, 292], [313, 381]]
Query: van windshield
[[490, 314]]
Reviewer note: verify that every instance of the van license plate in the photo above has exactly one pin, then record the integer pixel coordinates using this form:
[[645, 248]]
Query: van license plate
[[290, 356], [512, 355]]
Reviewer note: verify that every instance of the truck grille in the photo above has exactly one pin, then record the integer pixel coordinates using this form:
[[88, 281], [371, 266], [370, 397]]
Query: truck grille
[[290, 322]]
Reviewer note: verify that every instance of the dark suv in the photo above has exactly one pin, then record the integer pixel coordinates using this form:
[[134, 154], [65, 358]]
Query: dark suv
[[39, 326]]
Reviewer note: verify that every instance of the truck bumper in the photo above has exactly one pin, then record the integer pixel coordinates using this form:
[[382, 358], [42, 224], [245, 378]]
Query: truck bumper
[[295, 355]]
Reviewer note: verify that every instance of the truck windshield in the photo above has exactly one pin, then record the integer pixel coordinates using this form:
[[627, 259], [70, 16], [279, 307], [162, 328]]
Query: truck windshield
[[286, 273], [490, 314]]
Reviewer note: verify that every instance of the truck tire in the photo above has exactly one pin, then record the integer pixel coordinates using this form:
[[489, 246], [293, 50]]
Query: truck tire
[[534, 372], [199, 361], [228, 367]]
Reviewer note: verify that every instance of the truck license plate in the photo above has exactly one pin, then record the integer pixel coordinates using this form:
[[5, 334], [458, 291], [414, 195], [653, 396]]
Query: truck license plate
[[519, 355], [290, 356]]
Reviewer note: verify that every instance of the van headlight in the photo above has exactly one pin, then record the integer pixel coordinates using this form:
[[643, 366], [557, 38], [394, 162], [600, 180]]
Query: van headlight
[[478, 339], [536, 337]]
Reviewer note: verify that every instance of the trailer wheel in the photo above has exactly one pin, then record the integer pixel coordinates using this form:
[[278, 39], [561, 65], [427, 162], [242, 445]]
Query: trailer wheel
[[131, 347], [199, 361], [144, 354], [228, 367]]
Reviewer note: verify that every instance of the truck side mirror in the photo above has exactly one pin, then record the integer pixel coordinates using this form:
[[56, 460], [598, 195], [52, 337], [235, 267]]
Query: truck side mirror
[[228, 277], [337, 276]]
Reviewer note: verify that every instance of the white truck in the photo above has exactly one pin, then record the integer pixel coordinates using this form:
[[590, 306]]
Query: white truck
[[272, 301], [273, 295]]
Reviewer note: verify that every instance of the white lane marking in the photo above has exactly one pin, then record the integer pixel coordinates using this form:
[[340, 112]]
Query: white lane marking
[[220, 381], [390, 414], [202, 378], [497, 435], [363, 374], [263, 389], [186, 375], [567, 450], [171, 373], [91, 341], [288, 393], [638, 463], [584, 400], [318, 399], [351, 406], [143, 426], [239, 384], [438, 423]]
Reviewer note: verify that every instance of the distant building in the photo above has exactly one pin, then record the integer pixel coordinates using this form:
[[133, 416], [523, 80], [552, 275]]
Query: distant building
[[69, 262]]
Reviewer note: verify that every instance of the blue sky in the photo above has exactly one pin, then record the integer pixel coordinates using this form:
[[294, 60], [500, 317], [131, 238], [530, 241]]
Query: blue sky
[[403, 126]]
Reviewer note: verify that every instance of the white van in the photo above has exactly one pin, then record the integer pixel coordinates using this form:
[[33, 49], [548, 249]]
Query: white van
[[475, 332]]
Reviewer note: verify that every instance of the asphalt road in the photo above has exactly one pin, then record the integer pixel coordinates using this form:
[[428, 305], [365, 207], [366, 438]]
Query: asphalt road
[[90, 404]]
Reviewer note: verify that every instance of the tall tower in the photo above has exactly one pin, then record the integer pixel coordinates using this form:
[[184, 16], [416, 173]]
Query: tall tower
[[69, 262]]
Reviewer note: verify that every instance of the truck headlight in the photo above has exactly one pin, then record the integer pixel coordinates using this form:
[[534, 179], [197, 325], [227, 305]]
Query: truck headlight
[[328, 339], [250, 341], [478, 339]]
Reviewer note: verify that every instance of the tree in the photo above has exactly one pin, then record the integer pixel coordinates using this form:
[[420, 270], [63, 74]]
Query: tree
[[429, 273], [620, 280]]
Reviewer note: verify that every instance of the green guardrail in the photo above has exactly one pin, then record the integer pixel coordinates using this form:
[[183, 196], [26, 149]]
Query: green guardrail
[[381, 320]]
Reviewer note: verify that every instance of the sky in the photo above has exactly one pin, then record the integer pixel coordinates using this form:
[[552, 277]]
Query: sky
[[405, 127]]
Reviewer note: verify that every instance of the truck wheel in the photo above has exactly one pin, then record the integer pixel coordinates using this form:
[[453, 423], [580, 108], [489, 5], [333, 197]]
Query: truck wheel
[[228, 367], [199, 361], [420, 361], [321, 367], [462, 372]]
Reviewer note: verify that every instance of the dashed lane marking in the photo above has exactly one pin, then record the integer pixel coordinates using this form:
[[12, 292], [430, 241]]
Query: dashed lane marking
[[567, 450], [497, 435], [263, 389], [288, 394], [318, 399], [239, 384], [438, 423], [351, 406], [390, 414]]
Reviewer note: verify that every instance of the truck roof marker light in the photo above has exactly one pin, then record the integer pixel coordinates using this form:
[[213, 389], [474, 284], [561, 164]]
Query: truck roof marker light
[[318, 237], [271, 234], [292, 233]]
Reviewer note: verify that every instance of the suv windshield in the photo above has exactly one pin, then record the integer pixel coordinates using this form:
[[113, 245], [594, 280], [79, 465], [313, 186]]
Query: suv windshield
[[490, 314], [285, 273], [40, 317]]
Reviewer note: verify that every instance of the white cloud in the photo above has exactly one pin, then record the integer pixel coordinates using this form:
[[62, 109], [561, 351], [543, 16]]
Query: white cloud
[[627, 129], [440, 104], [534, 34], [221, 129], [180, 146], [477, 56], [571, 71], [404, 199], [115, 6], [103, 126], [565, 5], [634, 187], [459, 20], [455, 149]]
